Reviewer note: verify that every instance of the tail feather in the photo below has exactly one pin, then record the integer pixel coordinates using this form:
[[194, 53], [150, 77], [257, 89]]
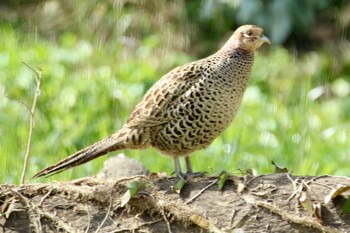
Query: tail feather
[[111, 143]]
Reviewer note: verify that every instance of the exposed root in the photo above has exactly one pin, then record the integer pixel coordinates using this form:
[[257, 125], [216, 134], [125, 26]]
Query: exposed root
[[134, 229], [35, 214], [107, 215], [305, 221], [167, 222]]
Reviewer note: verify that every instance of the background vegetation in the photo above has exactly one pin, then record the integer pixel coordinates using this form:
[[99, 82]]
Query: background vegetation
[[99, 57]]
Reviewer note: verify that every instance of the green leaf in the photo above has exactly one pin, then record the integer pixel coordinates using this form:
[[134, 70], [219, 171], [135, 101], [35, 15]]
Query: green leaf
[[346, 207], [222, 179], [179, 185], [278, 168], [135, 187]]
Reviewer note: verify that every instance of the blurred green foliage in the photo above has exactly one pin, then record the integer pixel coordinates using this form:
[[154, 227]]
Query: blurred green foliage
[[280, 17], [99, 57]]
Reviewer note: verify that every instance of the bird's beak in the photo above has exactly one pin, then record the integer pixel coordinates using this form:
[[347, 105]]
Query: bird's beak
[[265, 39]]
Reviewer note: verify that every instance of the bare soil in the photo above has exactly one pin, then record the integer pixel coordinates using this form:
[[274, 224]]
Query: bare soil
[[266, 203]]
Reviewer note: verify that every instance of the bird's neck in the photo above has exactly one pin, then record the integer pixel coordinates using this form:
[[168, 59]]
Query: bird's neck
[[234, 52]]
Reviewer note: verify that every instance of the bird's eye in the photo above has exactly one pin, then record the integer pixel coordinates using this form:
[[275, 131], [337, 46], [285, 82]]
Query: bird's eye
[[248, 34]]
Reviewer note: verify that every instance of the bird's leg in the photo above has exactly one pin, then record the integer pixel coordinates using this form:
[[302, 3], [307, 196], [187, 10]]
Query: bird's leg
[[188, 165], [189, 171], [178, 169]]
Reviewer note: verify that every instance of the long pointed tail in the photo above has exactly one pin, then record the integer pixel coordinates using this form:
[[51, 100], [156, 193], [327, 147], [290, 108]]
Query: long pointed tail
[[113, 142]]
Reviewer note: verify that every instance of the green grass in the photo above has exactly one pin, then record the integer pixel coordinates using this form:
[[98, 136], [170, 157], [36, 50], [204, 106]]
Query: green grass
[[88, 91]]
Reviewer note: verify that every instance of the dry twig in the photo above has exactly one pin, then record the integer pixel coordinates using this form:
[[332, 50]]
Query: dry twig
[[201, 191], [38, 76]]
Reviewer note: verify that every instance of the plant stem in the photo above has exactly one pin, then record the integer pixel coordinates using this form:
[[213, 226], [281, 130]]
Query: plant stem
[[32, 120]]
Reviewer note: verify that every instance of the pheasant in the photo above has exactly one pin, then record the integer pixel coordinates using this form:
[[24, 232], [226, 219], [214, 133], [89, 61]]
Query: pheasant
[[186, 109]]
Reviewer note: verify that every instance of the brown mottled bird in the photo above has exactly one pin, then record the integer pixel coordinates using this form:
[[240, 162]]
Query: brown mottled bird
[[186, 109]]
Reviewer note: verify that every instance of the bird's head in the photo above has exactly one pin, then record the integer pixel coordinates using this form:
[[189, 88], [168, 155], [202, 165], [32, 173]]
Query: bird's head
[[248, 38]]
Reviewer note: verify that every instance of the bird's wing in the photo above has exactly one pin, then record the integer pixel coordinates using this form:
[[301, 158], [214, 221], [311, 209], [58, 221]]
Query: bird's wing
[[152, 109]]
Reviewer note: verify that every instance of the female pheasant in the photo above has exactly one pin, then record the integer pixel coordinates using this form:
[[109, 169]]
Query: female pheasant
[[186, 109]]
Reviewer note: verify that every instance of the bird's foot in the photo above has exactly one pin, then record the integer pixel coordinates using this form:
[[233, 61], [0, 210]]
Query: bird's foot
[[183, 176], [189, 173], [194, 174], [183, 181]]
